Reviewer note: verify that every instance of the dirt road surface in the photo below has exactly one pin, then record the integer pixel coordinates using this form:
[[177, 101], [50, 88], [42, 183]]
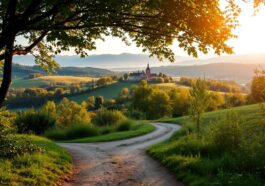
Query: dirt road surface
[[122, 163]]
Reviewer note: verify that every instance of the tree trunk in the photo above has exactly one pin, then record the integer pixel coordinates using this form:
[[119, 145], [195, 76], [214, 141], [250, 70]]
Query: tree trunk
[[7, 70]]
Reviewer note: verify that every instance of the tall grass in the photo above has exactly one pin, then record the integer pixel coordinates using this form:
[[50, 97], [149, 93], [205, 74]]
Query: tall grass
[[230, 151], [73, 132], [33, 122], [79, 130], [106, 117]]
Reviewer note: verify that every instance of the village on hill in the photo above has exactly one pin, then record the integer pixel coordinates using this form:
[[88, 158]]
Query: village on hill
[[147, 75]]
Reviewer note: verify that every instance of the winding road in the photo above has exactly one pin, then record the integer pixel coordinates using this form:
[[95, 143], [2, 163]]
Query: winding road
[[123, 163]]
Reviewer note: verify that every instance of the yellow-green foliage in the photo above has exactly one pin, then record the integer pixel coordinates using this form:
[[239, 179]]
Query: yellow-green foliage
[[104, 81], [165, 85], [159, 104], [106, 117], [67, 112], [213, 85], [180, 98], [143, 99], [6, 119], [258, 87]]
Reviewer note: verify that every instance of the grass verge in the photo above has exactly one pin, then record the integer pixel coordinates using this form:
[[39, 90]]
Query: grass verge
[[45, 168], [203, 161], [137, 130]]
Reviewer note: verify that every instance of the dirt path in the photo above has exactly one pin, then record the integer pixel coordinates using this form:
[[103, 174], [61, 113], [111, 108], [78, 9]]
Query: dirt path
[[121, 162]]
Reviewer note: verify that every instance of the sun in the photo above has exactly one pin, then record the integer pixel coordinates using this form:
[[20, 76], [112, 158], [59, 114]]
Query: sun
[[251, 32]]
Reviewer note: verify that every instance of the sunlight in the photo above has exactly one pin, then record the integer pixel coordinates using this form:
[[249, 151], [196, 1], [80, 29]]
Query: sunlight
[[251, 31]]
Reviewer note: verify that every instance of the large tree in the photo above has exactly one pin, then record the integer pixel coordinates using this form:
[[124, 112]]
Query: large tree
[[44, 28]]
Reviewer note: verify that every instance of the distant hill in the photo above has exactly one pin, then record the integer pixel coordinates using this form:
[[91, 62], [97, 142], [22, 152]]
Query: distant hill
[[241, 73], [106, 61], [20, 71], [234, 67], [128, 62]]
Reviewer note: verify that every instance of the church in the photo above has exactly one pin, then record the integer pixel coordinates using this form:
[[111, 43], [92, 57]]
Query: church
[[141, 75]]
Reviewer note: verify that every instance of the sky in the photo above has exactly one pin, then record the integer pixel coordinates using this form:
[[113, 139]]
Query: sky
[[251, 37]]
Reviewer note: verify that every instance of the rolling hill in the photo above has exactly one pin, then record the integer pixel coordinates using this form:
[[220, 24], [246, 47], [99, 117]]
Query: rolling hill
[[47, 80], [241, 73], [108, 92], [20, 71]]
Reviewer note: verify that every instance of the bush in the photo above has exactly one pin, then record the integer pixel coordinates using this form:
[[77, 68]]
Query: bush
[[136, 114], [125, 125], [69, 112], [106, 130], [225, 133], [106, 117], [74, 132], [11, 146], [81, 131], [36, 122]]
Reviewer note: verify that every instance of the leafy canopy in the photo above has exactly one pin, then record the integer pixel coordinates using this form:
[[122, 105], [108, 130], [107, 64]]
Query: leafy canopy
[[52, 26]]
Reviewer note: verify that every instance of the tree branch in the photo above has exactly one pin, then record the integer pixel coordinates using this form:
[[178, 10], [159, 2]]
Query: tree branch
[[27, 49]]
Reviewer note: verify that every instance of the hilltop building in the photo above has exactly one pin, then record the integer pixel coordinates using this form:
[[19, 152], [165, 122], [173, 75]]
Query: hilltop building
[[140, 75]]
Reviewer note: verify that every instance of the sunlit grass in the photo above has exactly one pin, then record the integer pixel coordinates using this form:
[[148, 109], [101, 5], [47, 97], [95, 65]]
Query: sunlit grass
[[137, 130], [44, 168], [199, 162]]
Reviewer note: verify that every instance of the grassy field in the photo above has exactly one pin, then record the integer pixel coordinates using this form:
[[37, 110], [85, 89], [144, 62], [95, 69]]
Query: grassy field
[[66, 79], [44, 168], [203, 162], [46, 80], [140, 130], [28, 83], [107, 92], [165, 86]]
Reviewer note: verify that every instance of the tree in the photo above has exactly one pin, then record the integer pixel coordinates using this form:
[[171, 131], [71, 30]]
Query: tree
[[198, 102], [125, 76], [50, 27], [141, 96], [123, 95], [50, 108], [258, 87], [216, 100], [69, 112], [90, 102], [58, 92], [159, 105], [180, 99], [99, 101], [104, 81]]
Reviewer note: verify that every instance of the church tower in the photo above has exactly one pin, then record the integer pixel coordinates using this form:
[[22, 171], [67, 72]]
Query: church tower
[[148, 72]]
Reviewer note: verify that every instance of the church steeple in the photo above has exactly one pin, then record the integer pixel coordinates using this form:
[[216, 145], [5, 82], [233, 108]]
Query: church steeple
[[148, 72], [148, 68]]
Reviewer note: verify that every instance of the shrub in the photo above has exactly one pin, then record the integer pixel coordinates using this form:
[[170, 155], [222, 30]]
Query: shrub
[[74, 132], [106, 117], [11, 146], [69, 112], [124, 126], [225, 133], [36, 122], [81, 131], [106, 130], [136, 114]]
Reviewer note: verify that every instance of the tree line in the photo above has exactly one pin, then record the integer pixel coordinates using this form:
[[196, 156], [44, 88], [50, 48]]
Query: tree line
[[214, 85]]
